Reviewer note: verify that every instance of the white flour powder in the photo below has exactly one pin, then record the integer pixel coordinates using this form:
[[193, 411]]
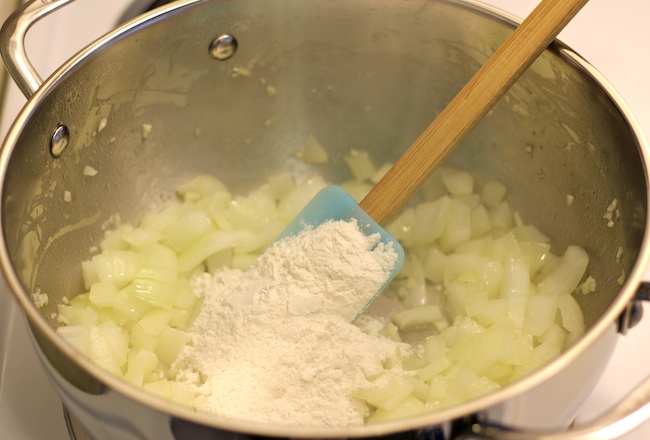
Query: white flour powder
[[275, 343]]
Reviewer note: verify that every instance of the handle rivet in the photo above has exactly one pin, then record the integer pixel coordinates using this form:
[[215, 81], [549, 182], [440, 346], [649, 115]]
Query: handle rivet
[[223, 47], [60, 140]]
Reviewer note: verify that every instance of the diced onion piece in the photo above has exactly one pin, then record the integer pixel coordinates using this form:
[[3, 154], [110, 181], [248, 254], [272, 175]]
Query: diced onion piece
[[77, 335], [515, 288], [568, 274], [118, 267], [80, 301], [108, 346], [262, 239], [462, 328], [154, 321], [185, 297], [381, 172], [493, 312], [219, 260], [471, 200], [588, 286], [271, 91], [102, 293], [153, 291], [130, 308], [114, 239], [140, 365], [90, 171], [479, 221], [457, 227], [437, 388], [434, 347], [431, 220], [182, 393], [462, 265], [254, 211], [387, 392], [177, 392], [423, 316], [411, 406], [357, 190], [187, 229], [401, 228], [493, 193], [312, 151], [555, 335], [572, 318], [170, 343], [479, 387], [501, 216], [201, 186], [435, 367], [296, 199], [421, 390], [536, 253], [140, 339], [281, 184], [541, 313], [141, 236], [360, 164], [89, 274], [160, 220], [434, 265], [456, 180], [243, 261], [209, 244], [161, 388], [390, 331], [489, 347], [433, 188], [146, 129]]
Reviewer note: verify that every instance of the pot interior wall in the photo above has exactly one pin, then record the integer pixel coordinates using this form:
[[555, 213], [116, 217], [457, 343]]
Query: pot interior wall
[[365, 74]]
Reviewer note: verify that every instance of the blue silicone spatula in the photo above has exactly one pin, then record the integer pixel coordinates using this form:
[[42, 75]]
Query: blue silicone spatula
[[440, 138]]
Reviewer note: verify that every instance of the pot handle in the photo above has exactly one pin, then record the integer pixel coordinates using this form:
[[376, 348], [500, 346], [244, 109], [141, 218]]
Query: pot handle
[[12, 42], [629, 413]]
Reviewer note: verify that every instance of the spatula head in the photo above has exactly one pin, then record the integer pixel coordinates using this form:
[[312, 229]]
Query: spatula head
[[334, 203]]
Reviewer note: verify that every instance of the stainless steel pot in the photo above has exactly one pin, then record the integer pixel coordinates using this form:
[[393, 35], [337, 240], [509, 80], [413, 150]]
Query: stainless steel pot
[[560, 131]]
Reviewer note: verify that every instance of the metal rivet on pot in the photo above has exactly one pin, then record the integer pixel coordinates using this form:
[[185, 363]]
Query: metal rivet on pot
[[630, 317], [633, 313], [59, 140], [636, 314], [223, 47]]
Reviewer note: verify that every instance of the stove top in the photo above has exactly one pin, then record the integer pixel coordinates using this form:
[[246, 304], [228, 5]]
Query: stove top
[[611, 37]]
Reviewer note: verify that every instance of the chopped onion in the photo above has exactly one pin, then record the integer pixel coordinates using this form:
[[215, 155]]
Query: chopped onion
[[481, 292]]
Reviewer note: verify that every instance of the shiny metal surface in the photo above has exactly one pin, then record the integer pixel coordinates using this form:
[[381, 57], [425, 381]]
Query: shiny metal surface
[[60, 140], [223, 47], [560, 131]]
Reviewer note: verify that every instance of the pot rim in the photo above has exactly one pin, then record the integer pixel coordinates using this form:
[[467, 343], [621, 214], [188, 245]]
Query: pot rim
[[603, 324]]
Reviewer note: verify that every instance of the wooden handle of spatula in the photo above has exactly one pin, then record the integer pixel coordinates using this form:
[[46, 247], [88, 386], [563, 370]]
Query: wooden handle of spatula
[[473, 102]]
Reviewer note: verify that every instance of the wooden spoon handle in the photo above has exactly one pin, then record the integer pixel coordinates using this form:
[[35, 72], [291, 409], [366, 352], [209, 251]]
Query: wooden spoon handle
[[471, 104]]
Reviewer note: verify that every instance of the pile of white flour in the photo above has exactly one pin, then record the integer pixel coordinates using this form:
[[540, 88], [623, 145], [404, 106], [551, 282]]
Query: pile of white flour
[[275, 343]]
